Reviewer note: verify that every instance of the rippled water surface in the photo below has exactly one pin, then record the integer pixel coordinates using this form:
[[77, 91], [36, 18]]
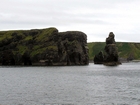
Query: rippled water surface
[[71, 85]]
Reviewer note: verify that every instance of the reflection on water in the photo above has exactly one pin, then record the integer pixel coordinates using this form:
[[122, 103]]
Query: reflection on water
[[71, 85]]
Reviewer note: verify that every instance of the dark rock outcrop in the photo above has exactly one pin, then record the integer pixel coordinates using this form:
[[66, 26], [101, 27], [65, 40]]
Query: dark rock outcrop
[[72, 48], [43, 47], [110, 55], [99, 58]]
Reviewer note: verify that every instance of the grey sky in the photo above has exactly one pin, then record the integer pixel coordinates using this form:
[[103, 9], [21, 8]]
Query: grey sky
[[96, 18]]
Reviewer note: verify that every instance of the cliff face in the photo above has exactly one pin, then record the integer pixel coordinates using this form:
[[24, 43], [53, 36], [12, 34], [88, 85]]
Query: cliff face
[[43, 47]]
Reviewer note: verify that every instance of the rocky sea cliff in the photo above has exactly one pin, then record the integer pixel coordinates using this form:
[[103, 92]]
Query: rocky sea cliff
[[43, 47]]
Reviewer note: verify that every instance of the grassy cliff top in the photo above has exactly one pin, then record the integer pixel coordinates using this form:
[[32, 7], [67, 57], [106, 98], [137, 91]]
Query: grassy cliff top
[[125, 49], [34, 41]]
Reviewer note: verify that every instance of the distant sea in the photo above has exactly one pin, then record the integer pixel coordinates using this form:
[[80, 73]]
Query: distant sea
[[70, 85]]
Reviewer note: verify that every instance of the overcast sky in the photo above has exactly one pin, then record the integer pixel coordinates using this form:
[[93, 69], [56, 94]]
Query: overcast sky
[[96, 18]]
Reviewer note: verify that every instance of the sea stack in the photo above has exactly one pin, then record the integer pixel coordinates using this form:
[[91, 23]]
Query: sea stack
[[109, 56]]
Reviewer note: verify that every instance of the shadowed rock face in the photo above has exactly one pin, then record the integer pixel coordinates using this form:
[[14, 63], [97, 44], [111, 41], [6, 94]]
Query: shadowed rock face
[[43, 47], [110, 56], [99, 58], [72, 48]]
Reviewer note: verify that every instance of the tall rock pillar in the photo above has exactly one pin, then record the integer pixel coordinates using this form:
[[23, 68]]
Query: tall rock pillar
[[111, 53], [109, 56]]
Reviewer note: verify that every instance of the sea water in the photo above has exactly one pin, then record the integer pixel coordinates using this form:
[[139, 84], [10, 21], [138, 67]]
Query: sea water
[[70, 85]]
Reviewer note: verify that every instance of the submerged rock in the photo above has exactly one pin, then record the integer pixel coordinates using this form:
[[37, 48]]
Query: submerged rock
[[43, 47], [110, 55]]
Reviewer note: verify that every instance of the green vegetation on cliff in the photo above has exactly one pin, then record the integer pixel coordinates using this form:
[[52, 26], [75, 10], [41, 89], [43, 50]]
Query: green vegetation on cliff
[[126, 50], [43, 45]]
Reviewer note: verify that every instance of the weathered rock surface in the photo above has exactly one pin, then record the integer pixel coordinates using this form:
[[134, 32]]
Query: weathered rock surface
[[43, 47], [110, 55], [99, 58]]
